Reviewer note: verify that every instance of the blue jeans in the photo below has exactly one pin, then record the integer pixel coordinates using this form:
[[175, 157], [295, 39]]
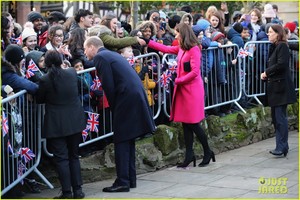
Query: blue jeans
[[279, 119]]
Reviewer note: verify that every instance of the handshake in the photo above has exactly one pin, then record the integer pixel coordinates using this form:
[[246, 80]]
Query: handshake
[[143, 41]]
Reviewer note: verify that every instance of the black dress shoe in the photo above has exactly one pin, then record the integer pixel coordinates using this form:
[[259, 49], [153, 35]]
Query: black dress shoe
[[132, 184], [278, 153], [207, 158], [116, 189], [67, 195], [78, 194]]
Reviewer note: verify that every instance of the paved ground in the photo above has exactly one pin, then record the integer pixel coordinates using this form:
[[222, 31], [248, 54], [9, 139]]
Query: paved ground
[[235, 174]]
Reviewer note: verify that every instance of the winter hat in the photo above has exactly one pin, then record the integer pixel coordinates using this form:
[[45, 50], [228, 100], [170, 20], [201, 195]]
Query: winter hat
[[291, 26], [268, 11], [189, 16], [33, 15], [14, 53], [35, 56], [238, 27], [28, 30], [216, 35], [203, 24]]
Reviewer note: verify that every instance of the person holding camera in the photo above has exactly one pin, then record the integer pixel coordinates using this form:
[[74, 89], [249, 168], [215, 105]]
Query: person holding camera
[[188, 96]]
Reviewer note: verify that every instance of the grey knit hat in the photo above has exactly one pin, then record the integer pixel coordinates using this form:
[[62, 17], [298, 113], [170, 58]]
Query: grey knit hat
[[33, 15]]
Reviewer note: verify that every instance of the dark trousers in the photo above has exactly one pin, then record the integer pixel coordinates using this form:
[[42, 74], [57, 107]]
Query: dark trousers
[[189, 130], [65, 151], [125, 163], [279, 119]]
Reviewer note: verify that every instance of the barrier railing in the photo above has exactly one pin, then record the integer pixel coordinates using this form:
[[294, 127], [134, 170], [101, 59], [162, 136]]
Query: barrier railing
[[222, 81], [94, 101], [224, 84], [21, 140], [255, 64]]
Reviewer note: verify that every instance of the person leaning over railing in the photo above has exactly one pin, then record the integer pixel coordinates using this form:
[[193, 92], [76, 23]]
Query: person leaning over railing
[[107, 33]]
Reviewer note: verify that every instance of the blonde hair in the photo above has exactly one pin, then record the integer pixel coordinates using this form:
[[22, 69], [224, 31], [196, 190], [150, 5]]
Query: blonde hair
[[210, 9]]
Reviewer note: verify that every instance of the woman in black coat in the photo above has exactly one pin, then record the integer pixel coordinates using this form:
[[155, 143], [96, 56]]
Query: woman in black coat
[[63, 122], [280, 88]]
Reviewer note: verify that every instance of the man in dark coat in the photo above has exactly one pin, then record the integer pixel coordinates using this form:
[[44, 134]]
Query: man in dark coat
[[132, 116]]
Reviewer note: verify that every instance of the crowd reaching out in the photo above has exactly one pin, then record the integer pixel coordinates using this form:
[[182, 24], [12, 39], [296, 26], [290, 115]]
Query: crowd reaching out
[[30, 41], [67, 35]]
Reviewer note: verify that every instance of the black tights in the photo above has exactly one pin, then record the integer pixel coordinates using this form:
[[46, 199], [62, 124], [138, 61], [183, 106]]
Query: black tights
[[188, 130]]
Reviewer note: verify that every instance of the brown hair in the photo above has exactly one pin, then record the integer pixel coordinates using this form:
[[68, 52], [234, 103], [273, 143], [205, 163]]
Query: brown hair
[[106, 19], [147, 24], [188, 38], [258, 13], [220, 26], [281, 37]]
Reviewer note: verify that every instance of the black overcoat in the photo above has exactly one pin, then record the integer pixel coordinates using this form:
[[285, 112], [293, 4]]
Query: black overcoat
[[64, 114], [280, 88], [132, 116]]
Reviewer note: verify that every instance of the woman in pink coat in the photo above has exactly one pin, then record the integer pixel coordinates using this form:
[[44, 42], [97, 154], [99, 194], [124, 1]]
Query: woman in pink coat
[[188, 97]]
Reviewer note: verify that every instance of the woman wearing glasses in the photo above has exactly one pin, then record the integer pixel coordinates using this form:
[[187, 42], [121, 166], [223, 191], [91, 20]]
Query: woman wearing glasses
[[56, 38]]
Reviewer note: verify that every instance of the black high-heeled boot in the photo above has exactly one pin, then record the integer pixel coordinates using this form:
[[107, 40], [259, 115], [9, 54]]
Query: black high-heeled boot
[[187, 162], [206, 159]]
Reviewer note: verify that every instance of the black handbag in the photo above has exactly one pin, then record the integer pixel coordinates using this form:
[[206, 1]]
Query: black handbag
[[187, 66]]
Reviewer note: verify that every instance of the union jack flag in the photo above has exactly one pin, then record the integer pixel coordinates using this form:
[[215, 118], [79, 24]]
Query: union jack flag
[[19, 40], [32, 67], [242, 53], [96, 83], [4, 124], [21, 170], [85, 133], [131, 61], [93, 121], [165, 79], [172, 66], [26, 154], [9, 148]]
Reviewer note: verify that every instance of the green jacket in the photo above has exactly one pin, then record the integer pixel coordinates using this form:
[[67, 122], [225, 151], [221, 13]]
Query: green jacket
[[112, 43]]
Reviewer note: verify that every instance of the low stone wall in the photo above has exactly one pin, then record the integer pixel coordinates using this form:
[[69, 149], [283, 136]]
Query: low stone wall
[[166, 146]]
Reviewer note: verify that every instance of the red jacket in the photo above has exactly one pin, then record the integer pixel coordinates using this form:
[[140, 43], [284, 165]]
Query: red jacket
[[188, 97], [43, 39]]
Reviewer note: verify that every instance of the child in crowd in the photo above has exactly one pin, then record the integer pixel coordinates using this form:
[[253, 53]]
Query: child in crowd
[[37, 57], [141, 70], [84, 83], [245, 34]]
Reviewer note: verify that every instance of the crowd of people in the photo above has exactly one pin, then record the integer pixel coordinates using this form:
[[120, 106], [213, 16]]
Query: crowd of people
[[34, 54]]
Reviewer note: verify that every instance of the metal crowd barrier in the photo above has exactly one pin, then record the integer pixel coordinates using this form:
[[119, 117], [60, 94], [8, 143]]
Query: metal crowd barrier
[[21, 140], [254, 65], [96, 104], [225, 83], [222, 82]]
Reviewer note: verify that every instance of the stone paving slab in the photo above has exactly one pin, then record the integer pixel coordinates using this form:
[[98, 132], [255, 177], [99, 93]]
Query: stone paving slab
[[236, 174]]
